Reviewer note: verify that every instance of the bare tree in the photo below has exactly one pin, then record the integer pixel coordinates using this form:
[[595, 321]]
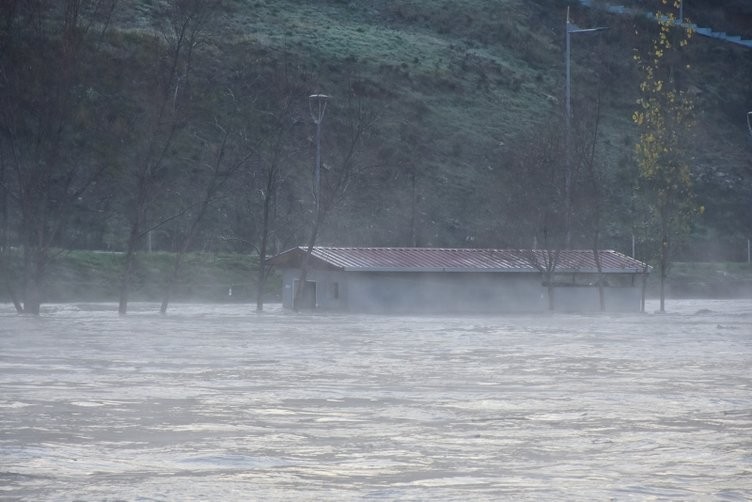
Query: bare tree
[[538, 208], [165, 119], [590, 204], [274, 157], [546, 260], [48, 161], [217, 176]]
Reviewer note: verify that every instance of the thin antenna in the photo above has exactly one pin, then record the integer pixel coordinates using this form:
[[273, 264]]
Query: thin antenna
[[749, 122]]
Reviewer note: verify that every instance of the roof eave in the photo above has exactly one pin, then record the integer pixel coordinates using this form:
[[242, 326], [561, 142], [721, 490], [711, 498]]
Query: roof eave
[[485, 270]]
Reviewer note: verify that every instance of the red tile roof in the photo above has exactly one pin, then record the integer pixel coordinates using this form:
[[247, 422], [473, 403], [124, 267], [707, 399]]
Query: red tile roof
[[456, 260]]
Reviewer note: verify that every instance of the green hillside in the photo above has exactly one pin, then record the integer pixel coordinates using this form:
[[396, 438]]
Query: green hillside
[[457, 84], [462, 92]]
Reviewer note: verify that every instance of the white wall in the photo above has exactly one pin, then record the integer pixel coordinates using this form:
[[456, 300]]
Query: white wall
[[457, 292]]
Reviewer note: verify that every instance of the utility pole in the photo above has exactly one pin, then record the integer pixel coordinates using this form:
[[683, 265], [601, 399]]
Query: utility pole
[[317, 106], [570, 28], [749, 245]]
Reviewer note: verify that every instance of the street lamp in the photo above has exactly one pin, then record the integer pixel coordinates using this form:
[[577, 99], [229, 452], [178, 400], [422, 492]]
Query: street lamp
[[317, 106], [571, 28], [749, 243]]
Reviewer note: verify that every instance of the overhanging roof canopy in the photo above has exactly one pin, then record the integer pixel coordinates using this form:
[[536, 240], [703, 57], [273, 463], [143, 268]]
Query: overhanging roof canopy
[[457, 260]]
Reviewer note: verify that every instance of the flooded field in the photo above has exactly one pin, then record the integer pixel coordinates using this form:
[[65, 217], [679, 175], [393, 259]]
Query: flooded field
[[215, 402]]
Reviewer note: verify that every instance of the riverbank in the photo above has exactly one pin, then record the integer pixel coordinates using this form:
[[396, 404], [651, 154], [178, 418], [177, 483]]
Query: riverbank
[[204, 277], [706, 280], [225, 277]]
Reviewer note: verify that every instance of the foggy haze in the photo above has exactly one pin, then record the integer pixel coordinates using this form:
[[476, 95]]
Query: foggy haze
[[214, 403]]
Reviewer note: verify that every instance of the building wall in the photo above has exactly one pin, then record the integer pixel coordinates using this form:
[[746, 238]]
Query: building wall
[[443, 292], [455, 292], [331, 288], [585, 299]]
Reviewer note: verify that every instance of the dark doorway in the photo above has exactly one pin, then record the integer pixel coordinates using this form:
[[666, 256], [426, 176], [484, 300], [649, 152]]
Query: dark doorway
[[307, 297]]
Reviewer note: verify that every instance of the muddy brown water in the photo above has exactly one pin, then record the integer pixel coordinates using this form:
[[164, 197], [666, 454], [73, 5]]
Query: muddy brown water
[[216, 402]]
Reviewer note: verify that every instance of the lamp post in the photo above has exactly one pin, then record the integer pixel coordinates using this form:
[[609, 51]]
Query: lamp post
[[571, 28], [749, 243], [317, 106]]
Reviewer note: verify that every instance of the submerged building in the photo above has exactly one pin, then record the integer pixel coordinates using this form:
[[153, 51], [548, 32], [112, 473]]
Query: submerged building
[[419, 280]]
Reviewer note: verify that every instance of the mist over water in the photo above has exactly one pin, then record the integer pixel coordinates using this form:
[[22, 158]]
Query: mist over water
[[215, 402]]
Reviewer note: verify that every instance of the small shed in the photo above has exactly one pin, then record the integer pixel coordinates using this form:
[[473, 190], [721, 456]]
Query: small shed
[[418, 280]]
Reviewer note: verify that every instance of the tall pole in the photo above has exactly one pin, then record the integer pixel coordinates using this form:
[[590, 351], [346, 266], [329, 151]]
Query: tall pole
[[568, 111], [570, 28], [633, 246], [317, 106], [317, 169], [749, 247]]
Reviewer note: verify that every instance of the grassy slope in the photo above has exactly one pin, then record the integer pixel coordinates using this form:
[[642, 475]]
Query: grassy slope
[[455, 82], [709, 280], [94, 276]]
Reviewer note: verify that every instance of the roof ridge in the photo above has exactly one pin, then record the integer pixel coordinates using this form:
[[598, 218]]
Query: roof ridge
[[423, 248]]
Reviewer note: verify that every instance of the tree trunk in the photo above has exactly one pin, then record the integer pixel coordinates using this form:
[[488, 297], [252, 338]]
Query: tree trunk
[[32, 300], [34, 263], [413, 209], [304, 265], [211, 190], [170, 286], [32, 294], [663, 291], [664, 271], [261, 278], [14, 298], [550, 287], [551, 304], [599, 267], [271, 186], [125, 279], [172, 279], [8, 278], [644, 288]]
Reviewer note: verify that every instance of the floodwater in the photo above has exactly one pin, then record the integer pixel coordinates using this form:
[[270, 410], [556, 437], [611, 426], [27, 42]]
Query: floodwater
[[216, 402]]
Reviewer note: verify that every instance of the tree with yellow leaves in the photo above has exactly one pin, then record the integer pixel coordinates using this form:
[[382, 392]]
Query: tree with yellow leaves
[[664, 119]]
